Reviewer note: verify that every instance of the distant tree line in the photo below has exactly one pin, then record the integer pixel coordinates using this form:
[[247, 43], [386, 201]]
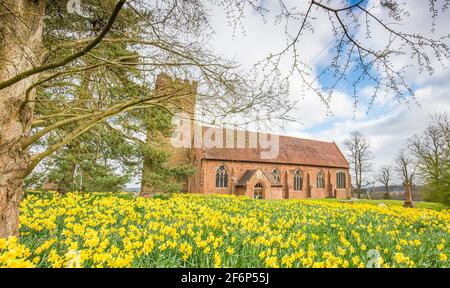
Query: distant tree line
[[424, 160]]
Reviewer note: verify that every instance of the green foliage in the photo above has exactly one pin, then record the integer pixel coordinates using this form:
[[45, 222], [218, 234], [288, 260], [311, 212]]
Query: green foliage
[[439, 190], [162, 196], [157, 175], [432, 152], [102, 158], [167, 179], [92, 163]]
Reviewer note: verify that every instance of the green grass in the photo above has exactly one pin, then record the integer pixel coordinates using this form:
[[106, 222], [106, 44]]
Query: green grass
[[419, 204]]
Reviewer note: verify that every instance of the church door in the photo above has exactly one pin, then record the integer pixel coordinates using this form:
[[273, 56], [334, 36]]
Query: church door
[[258, 191]]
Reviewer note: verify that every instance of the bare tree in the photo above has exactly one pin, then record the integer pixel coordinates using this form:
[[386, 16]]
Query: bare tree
[[355, 62], [384, 177], [358, 151], [405, 166]]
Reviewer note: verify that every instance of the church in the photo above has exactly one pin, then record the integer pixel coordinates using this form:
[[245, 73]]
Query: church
[[301, 168]]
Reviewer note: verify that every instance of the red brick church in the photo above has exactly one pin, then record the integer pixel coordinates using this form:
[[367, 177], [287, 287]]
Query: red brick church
[[301, 169]]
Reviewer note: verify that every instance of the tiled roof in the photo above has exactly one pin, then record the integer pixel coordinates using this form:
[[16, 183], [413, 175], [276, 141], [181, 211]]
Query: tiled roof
[[249, 174], [291, 151], [245, 178]]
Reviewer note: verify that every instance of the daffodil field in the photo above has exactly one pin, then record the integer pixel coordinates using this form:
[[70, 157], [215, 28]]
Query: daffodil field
[[118, 230]]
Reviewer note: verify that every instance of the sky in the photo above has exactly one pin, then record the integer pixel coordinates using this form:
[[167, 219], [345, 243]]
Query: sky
[[388, 123]]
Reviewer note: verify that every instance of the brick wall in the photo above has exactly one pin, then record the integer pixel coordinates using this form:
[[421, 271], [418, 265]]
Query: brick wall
[[205, 180]]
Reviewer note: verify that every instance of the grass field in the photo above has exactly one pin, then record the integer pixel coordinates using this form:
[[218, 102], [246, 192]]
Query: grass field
[[110, 230], [419, 204]]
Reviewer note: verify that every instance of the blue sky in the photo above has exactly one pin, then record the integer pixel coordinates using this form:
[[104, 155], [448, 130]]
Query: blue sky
[[389, 122]]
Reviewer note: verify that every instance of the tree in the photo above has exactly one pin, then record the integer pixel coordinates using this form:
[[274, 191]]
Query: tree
[[405, 166], [105, 157], [384, 178], [358, 151], [171, 38], [407, 169], [431, 151], [55, 59], [99, 160], [15, 119]]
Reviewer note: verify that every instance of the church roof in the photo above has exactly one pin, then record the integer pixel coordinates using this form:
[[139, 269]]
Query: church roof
[[292, 150]]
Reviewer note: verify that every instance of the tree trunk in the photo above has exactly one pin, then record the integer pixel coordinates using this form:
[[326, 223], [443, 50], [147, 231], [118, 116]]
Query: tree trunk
[[360, 180], [386, 192], [21, 24], [67, 182]]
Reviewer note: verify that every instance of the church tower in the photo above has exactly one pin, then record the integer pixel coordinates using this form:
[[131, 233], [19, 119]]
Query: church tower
[[179, 96]]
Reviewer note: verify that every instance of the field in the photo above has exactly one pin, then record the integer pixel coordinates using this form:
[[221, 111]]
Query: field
[[117, 230], [418, 204]]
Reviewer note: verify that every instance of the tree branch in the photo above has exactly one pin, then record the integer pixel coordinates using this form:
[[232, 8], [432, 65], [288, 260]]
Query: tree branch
[[70, 58]]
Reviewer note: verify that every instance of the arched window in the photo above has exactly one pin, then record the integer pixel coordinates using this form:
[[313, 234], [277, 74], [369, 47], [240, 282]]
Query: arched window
[[340, 180], [276, 175], [258, 191], [221, 177], [320, 180], [298, 181]]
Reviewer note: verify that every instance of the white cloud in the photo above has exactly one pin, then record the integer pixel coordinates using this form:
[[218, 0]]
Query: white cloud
[[417, 22], [388, 125], [391, 130]]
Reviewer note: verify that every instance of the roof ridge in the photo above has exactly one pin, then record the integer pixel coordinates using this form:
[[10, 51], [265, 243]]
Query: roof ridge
[[279, 135]]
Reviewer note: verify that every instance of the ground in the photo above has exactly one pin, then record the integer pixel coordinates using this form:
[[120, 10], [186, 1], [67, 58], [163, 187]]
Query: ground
[[118, 230], [419, 204]]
